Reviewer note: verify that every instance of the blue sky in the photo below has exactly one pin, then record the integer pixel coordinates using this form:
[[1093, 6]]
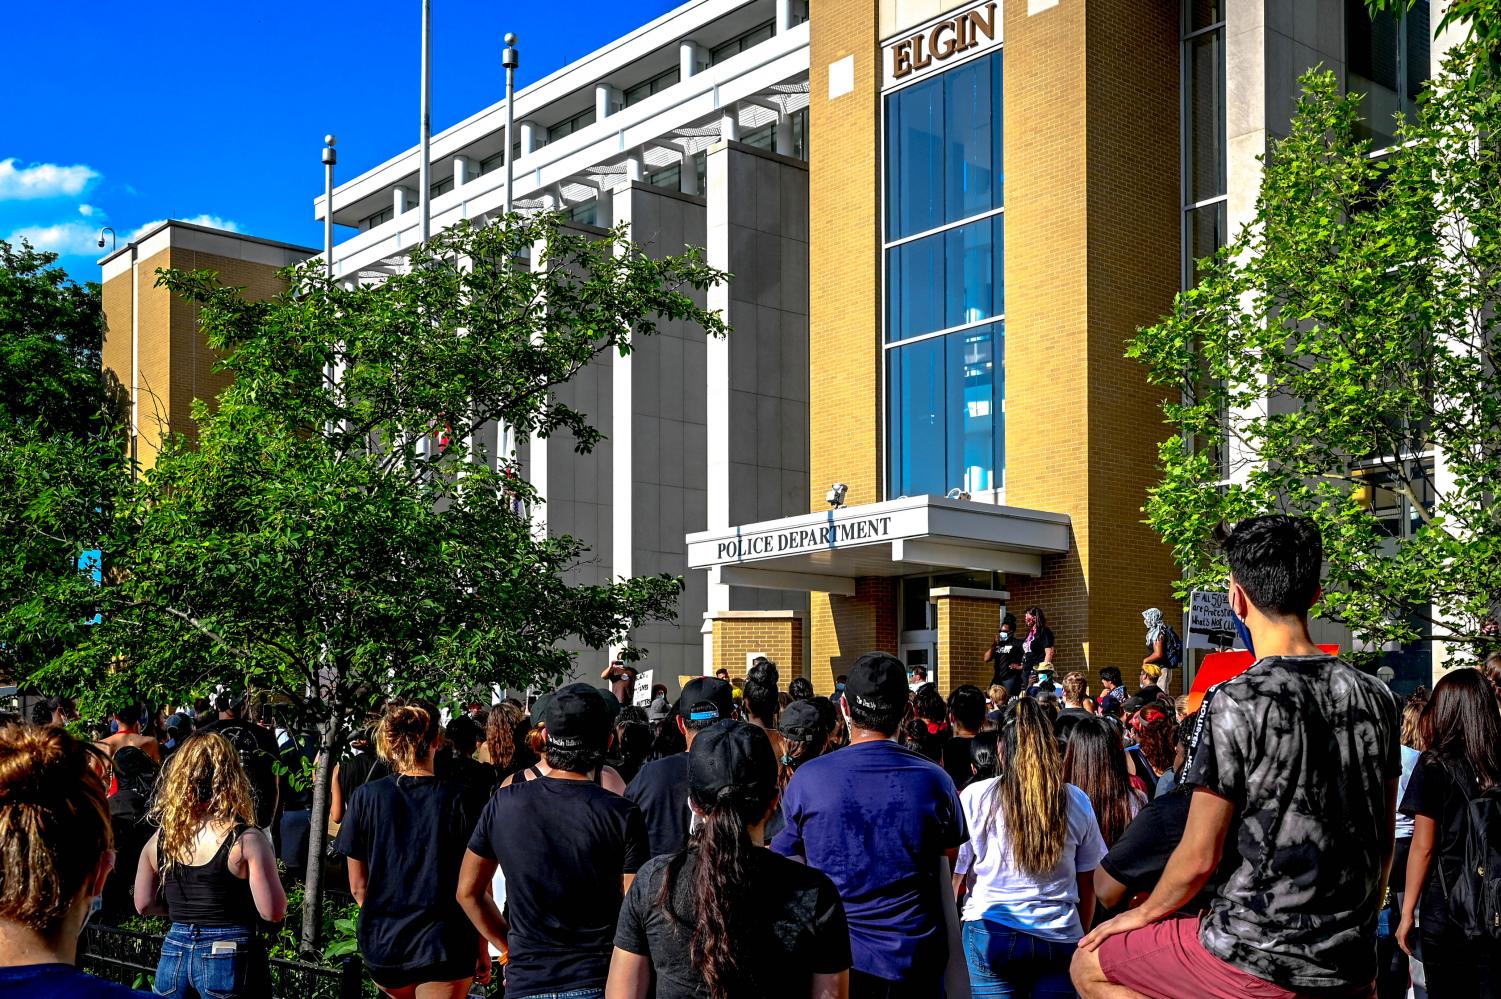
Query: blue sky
[[123, 114]]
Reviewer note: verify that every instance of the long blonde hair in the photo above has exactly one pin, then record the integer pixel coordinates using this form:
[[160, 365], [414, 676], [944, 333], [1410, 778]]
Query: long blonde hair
[[202, 782], [1029, 790]]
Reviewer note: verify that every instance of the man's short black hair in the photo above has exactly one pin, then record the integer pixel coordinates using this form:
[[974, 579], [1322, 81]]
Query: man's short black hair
[[1111, 674], [967, 705], [224, 703], [800, 689], [1277, 561], [575, 759], [129, 714]]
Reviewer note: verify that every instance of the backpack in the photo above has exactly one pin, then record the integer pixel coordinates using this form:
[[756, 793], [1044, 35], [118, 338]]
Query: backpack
[[1474, 897], [1172, 648]]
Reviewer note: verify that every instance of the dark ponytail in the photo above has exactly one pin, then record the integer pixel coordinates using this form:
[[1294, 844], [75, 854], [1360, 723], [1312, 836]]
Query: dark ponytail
[[720, 880]]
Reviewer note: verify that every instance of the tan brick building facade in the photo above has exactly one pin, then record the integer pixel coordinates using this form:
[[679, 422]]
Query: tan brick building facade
[[1091, 217], [154, 353]]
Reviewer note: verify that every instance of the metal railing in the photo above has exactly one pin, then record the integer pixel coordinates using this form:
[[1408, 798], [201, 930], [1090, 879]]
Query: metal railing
[[130, 957]]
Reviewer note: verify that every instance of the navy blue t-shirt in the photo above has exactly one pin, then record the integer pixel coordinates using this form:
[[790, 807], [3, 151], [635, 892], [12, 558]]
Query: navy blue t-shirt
[[875, 818], [58, 981], [411, 832], [660, 790]]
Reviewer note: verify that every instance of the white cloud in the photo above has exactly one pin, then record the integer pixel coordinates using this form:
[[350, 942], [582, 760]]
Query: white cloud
[[212, 221], [66, 238], [88, 211], [43, 180], [82, 238]]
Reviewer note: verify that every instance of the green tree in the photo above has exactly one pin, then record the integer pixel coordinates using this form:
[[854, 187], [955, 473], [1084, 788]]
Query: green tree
[[1335, 347], [60, 464], [332, 533]]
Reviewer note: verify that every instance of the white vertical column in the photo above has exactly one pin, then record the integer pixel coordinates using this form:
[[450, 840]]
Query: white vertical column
[[465, 169], [693, 59], [402, 199], [533, 137], [729, 125], [784, 15], [622, 424], [607, 100], [687, 174], [539, 444], [782, 134], [717, 375], [635, 167]]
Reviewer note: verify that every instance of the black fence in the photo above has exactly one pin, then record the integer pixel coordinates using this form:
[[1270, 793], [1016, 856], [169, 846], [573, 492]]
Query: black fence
[[130, 958]]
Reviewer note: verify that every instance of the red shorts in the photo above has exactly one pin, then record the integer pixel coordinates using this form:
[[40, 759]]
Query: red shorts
[[1166, 961]]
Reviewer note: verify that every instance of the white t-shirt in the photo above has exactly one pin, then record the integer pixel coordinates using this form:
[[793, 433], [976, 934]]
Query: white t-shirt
[[1045, 906]]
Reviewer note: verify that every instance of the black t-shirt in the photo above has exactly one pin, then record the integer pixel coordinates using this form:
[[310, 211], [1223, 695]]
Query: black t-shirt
[[661, 790], [956, 762], [563, 846], [789, 928], [1432, 791], [1139, 857], [1006, 657], [361, 768], [1034, 648], [476, 778], [256, 746], [410, 832]]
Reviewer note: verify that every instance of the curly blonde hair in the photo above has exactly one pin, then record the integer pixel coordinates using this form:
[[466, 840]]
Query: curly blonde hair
[[202, 782]]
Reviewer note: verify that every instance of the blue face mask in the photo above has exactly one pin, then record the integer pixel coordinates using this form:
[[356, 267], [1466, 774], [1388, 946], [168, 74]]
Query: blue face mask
[[1244, 633]]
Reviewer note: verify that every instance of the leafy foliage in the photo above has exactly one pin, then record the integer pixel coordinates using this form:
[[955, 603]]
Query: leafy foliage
[[60, 465], [1335, 347]]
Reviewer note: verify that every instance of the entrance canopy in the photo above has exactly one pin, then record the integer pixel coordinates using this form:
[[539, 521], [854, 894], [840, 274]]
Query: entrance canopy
[[827, 552]]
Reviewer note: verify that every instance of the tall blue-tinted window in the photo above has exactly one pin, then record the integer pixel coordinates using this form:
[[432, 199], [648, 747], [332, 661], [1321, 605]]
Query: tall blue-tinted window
[[945, 283]]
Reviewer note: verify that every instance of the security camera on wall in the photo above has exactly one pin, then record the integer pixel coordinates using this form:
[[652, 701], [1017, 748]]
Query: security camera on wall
[[836, 495]]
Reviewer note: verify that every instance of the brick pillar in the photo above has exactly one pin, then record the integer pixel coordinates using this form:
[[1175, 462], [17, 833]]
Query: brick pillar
[[845, 628], [967, 623], [777, 635]]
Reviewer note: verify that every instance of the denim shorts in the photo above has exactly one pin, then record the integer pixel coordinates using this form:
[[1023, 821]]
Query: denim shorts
[[190, 960]]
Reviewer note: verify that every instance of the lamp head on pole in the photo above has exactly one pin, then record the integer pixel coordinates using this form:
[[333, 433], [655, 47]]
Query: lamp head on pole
[[509, 57], [329, 154]]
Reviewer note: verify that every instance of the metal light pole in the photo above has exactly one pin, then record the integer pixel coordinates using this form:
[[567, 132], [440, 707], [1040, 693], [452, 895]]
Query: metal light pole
[[510, 59], [424, 175], [330, 157]]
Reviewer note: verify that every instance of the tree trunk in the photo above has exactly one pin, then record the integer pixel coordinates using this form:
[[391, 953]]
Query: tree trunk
[[323, 770]]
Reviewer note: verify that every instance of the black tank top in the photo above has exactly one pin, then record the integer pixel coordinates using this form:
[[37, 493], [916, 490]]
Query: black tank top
[[209, 894]]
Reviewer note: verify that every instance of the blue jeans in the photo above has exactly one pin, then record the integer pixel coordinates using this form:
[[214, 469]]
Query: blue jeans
[[1004, 963], [189, 960], [570, 994]]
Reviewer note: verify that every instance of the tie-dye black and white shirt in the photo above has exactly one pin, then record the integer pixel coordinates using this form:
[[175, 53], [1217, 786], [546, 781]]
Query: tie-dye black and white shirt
[[1303, 747]]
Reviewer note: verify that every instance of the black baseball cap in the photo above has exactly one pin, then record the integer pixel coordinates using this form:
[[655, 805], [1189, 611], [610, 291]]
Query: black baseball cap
[[706, 688], [577, 717], [801, 721], [734, 754], [877, 682]]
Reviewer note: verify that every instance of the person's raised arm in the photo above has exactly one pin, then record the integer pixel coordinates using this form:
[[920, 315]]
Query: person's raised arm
[[148, 884], [477, 902], [265, 881], [630, 976], [1188, 869], [1419, 860], [990, 652]]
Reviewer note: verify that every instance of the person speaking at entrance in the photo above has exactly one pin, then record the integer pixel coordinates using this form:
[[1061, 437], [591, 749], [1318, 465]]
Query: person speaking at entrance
[[1005, 654]]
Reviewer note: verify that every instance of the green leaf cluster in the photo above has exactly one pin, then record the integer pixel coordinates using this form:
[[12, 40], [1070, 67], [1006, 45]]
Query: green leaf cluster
[[1342, 350]]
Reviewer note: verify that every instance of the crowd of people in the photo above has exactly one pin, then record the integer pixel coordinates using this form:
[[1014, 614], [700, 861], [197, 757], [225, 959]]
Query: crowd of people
[[1299, 834]]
